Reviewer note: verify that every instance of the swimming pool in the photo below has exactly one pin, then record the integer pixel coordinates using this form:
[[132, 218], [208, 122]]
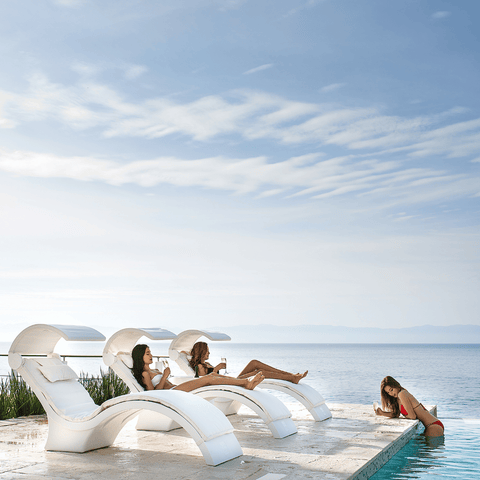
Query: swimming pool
[[455, 456]]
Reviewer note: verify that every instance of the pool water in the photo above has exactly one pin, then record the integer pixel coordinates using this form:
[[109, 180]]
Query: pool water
[[454, 456]]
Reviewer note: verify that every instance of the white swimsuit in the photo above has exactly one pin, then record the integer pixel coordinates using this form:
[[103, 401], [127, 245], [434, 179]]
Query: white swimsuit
[[156, 380]]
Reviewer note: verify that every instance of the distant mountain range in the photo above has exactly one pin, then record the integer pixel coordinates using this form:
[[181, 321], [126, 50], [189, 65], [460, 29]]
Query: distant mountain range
[[333, 334], [316, 333]]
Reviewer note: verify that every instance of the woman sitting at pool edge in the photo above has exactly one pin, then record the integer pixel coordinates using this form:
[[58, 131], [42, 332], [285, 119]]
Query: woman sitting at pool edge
[[151, 379], [200, 353], [397, 400]]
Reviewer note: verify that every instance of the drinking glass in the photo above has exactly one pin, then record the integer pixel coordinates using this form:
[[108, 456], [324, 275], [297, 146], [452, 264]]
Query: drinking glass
[[165, 364], [224, 360]]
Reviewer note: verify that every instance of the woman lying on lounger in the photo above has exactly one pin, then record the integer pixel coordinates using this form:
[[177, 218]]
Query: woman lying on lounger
[[200, 354], [396, 400], [151, 379]]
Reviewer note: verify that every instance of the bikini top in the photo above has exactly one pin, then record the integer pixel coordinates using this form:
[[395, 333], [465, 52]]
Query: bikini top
[[156, 380], [206, 366], [404, 412]]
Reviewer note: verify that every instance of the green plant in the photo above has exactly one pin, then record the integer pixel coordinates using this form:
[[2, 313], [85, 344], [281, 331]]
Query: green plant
[[18, 400], [104, 386]]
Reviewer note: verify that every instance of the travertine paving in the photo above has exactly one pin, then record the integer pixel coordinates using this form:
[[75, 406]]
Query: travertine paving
[[353, 444]]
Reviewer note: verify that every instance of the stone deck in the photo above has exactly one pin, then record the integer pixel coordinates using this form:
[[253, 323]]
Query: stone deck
[[354, 444]]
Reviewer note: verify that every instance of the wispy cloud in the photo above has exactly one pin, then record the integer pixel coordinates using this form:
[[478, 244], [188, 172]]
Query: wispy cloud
[[306, 175], [248, 114], [134, 71], [5, 122], [332, 87], [70, 3], [304, 5], [225, 5], [258, 69], [441, 14]]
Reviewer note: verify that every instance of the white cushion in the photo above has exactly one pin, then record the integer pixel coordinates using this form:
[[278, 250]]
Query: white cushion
[[58, 373], [126, 358], [45, 361]]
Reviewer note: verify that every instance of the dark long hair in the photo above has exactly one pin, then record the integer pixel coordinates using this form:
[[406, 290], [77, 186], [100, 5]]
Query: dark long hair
[[389, 402], [138, 364], [197, 353]]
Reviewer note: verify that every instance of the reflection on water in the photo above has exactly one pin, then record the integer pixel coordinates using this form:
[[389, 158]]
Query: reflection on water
[[454, 456]]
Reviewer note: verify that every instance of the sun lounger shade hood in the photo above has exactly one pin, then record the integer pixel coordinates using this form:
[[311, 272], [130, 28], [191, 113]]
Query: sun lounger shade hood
[[124, 340], [41, 339], [186, 340]]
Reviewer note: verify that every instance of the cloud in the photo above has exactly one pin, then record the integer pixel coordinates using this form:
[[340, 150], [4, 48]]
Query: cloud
[[85, 69], [244, 114], [306, 175], [5, 122], [441, 14], [134, 71], [70, 3], [258, 69], [332, 87], [225, 5], [307, 4]]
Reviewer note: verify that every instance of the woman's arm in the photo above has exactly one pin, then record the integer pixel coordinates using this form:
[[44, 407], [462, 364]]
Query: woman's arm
[[408, 401], [161, 385], [382, 413], [219, 367], [147, 381], [164, 380], [203, 369]]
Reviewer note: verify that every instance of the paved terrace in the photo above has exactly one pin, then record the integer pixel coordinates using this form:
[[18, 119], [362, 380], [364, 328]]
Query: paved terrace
[[354, 444]]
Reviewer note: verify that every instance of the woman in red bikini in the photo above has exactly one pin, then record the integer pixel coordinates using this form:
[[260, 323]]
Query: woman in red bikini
[[396, 400]]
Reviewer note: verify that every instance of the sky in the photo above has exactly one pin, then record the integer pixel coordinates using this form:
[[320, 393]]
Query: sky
[[212, 163]]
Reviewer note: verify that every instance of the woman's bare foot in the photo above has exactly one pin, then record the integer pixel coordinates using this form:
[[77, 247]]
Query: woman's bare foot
[[297, 377], [258, 378]]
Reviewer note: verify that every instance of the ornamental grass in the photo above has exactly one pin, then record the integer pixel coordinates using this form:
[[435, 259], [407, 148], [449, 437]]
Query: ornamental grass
[[18, 400]]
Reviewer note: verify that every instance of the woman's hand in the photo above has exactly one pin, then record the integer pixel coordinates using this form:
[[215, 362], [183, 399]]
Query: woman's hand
[[219, 367], [164, 380], [380, 412]]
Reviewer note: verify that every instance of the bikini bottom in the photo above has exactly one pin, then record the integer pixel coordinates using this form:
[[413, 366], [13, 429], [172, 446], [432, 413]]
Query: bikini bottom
[[438, 422]]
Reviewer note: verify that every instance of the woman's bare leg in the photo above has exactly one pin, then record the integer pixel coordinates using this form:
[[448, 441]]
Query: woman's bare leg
[[257, 365], [207, 380], [434, 431], [268, 371]]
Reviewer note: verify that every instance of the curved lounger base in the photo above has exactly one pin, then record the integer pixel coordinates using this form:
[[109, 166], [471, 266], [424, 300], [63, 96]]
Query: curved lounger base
[[305, 394], [161, 423], [270, 409], [215, 440]]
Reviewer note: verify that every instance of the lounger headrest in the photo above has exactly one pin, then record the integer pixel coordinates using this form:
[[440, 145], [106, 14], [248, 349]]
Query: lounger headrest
[[184, 363], [57, 373], [126, 358]]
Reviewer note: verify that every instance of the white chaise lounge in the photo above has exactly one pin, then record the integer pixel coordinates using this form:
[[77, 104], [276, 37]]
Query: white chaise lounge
[[305, 394], [76, 424], [117, 355]]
